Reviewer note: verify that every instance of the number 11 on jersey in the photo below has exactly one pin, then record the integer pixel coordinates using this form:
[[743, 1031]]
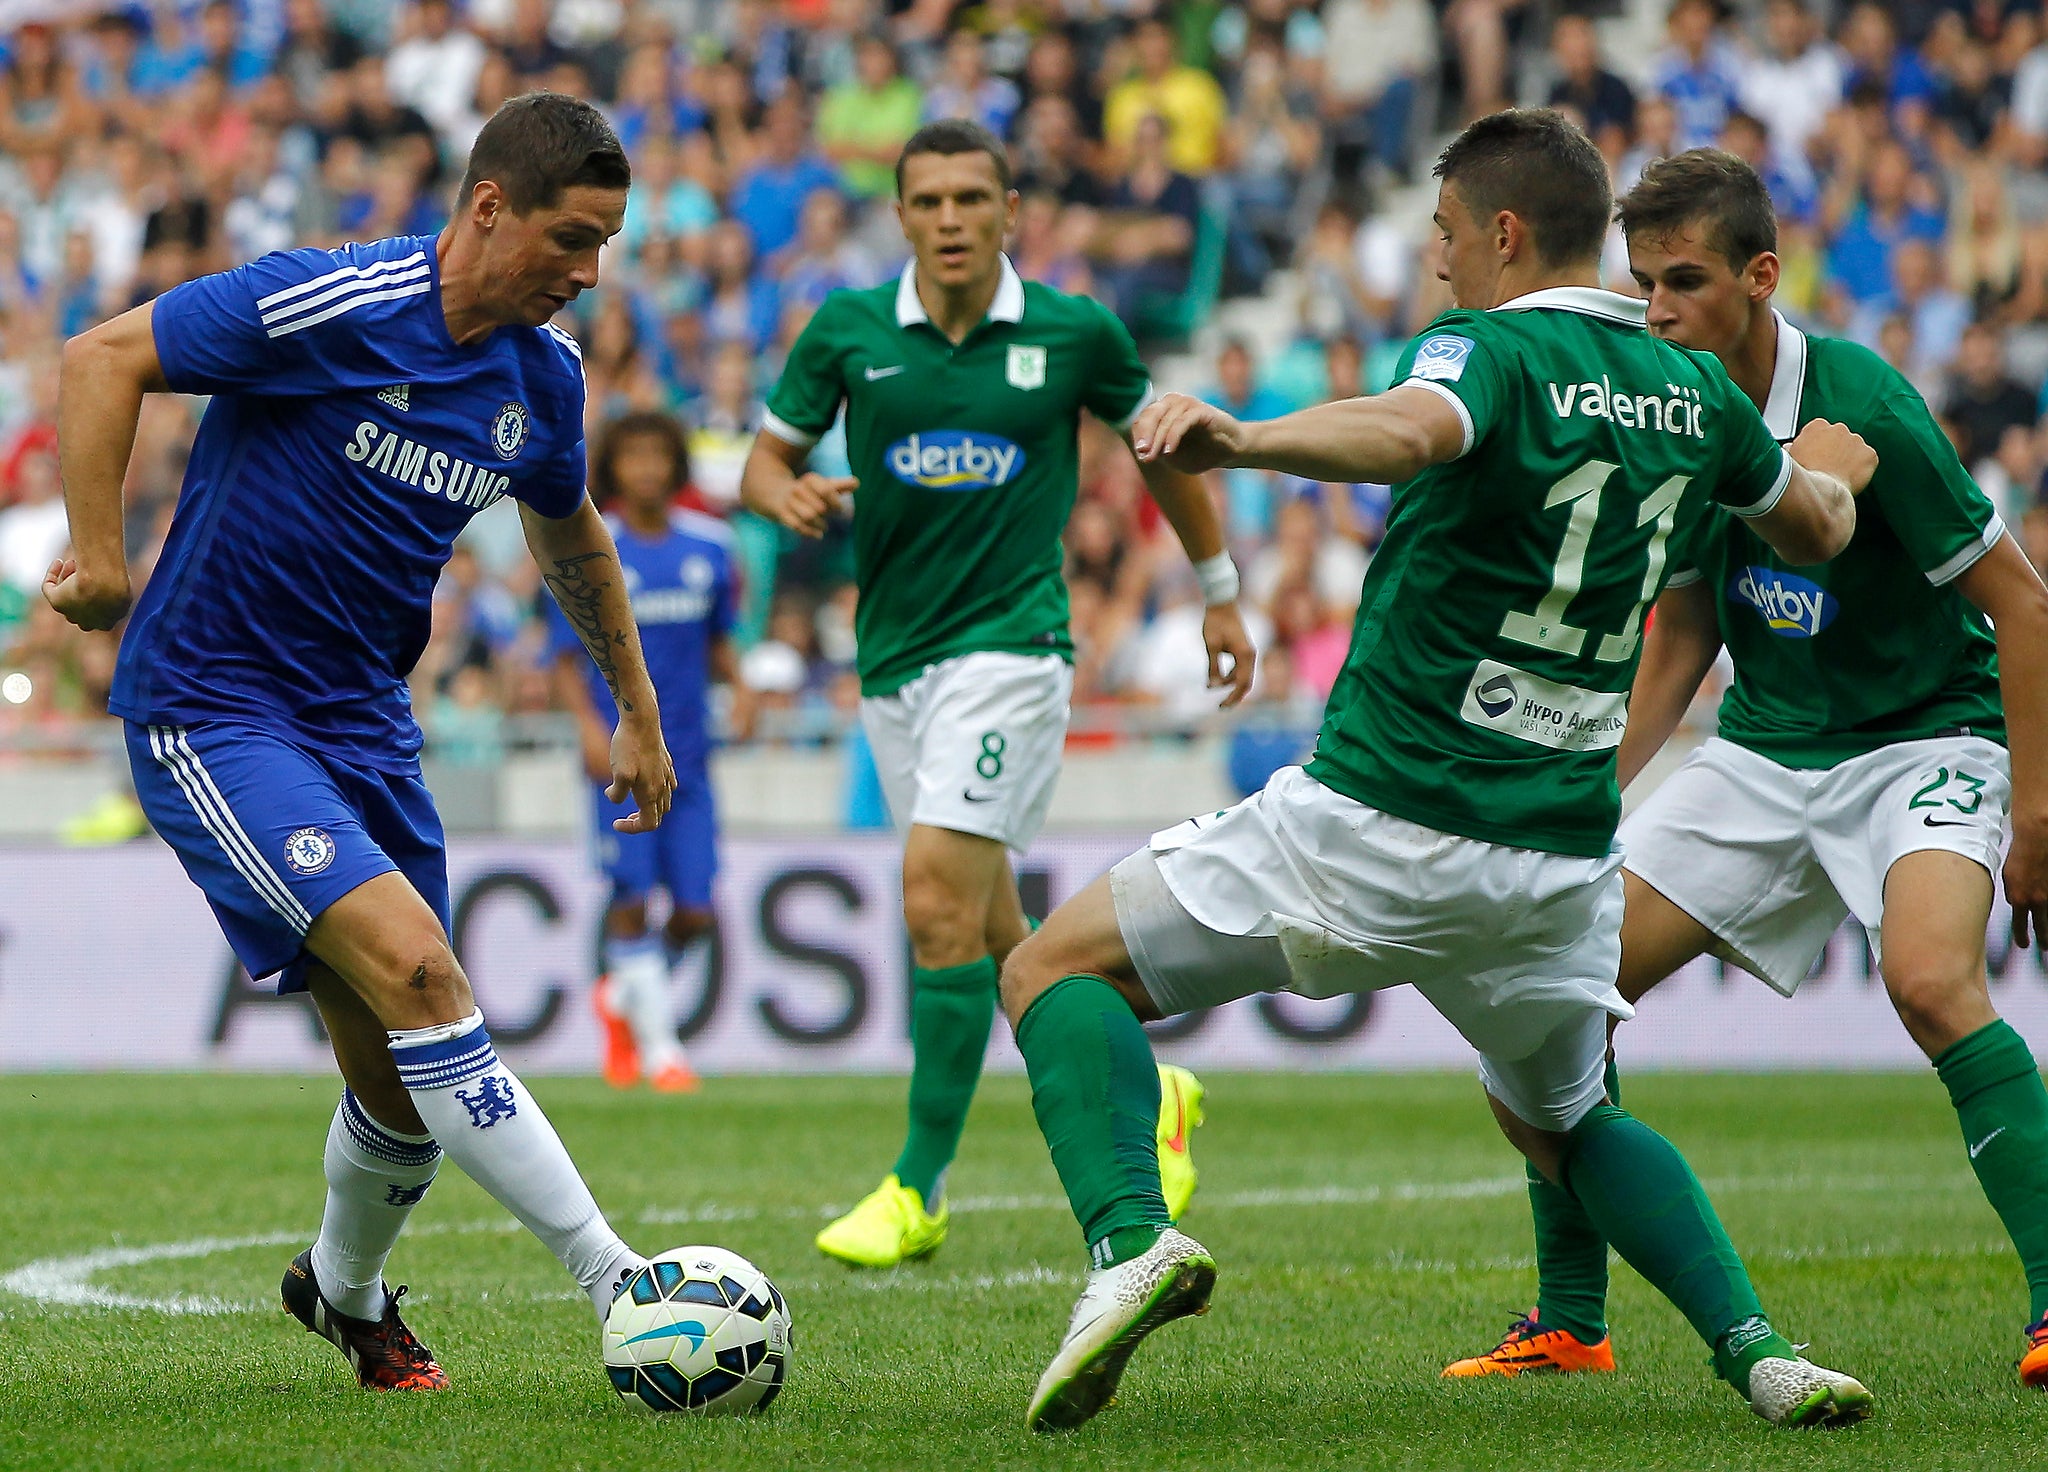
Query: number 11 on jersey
[[1545, 628]]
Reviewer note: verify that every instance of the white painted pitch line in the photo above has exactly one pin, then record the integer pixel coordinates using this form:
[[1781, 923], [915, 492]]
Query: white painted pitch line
[[66, 1281]]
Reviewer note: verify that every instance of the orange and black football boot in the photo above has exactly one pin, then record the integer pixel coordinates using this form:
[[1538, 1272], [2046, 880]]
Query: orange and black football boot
[[1529, 1347], [621, 1065], [383, 1352], [2034, 1363]]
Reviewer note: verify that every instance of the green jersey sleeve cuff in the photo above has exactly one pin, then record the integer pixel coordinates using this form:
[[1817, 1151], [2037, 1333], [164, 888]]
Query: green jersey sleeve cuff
[[1966, 559], [1449, 396], [788, 433], [1685, 577], [1123, 425], [1774, 495]]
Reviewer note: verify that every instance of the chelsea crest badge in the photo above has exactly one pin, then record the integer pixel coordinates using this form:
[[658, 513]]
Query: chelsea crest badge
[[508, 433]]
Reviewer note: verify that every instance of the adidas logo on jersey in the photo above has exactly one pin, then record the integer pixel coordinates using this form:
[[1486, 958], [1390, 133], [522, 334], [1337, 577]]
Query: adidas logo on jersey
[[398, 396], [1677, 411]]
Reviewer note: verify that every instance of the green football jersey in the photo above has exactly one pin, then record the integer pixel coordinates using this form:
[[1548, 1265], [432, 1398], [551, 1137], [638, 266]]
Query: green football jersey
[[1876, 646], [1487, 684], [967, 460]]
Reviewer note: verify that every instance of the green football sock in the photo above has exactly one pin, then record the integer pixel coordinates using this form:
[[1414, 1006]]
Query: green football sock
[[951, 1011], [1571, 1255], [1095, 1089], [2004, 1113], [1641, 1196]]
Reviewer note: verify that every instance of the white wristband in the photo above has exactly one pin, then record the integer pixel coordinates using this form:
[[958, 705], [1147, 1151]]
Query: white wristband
[[1218, 577]]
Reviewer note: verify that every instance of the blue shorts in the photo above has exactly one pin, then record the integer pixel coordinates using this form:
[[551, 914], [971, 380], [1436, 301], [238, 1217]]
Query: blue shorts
[[275, 833], [681, 856]]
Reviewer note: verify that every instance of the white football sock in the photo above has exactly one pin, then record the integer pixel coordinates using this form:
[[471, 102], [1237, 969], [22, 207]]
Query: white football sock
[[495, 1130], [640, 994], [375, 1176]]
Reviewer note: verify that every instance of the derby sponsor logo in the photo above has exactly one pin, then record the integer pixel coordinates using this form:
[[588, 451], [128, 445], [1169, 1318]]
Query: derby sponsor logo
[[954, 460]]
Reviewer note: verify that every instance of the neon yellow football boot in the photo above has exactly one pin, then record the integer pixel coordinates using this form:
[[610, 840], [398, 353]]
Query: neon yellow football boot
[[889, 1226], [1180, 1111]]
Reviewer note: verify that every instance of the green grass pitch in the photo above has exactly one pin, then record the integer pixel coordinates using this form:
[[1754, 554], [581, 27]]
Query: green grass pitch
[[1367, 1229]]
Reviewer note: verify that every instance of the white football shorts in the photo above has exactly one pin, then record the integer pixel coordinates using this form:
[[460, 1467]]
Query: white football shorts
[[1771, 859], [1300, 889], [973, 744]]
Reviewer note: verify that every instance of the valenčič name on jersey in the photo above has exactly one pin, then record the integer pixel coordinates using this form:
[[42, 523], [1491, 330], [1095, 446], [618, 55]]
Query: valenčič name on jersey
[[1677, 411]]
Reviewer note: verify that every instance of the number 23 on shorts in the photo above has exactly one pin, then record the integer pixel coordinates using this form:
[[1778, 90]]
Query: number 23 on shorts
[[1949, 787]]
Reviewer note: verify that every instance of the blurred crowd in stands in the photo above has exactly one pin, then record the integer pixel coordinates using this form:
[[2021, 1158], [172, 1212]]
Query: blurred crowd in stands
[[1244, 181]]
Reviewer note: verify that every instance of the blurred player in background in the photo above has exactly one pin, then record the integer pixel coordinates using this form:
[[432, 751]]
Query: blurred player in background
[[963, 389], [366, 403], [1455, 829], [679, 570], [1860, 766]]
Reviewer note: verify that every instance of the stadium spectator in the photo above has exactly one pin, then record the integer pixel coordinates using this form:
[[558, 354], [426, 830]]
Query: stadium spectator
[[1869, 213], [33, 532], [821, 259], [769, 195], [1271, 144], [1053, 69], [1147, 235], [1699, 74], [1376, 53], [435, 73], [864, 121], [1934, 313], [312, 50], [1248, 494], [965, 89], [1051, 155], [1483, 31], [742, 306], [1052, 242], [1983, 400], [1604, 104], [1188, 101], [1877, 57], [1792, 85]]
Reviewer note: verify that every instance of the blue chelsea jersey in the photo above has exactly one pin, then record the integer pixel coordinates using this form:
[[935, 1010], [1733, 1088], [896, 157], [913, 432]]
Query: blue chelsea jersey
[[349, 439], [684, 595]]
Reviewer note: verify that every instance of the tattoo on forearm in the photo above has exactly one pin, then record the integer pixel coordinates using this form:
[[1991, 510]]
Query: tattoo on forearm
[[582, 600]]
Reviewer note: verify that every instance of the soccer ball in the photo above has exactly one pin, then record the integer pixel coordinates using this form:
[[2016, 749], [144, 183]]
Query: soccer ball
[[698, 1329]]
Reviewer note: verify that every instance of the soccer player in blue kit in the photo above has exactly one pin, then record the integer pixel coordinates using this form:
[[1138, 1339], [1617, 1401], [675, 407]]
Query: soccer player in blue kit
[[366, 403], [679, 570]]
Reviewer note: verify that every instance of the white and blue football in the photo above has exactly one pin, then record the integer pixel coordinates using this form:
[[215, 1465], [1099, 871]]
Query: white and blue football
[[698, 1329]]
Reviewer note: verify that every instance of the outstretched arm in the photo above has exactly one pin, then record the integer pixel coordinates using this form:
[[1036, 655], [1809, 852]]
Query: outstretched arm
[[1678, 650], [1191, 511], [1381, 440], [99, 399], [580, 565], [2004, 585]]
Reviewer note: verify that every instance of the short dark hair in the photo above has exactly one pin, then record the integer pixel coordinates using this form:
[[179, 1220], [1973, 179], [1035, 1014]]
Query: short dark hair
[[539, 144], [1707, 186], [1538, 165], [954, 135], [604, 476]]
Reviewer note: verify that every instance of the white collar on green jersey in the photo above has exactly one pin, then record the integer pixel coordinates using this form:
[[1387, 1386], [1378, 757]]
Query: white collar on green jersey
[[1788, 381], [1007, 307], [1588, 300]]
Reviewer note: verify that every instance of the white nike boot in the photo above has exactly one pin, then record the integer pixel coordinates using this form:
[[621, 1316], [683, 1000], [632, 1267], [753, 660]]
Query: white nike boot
[[1798, 1392], [1118, 1308]]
